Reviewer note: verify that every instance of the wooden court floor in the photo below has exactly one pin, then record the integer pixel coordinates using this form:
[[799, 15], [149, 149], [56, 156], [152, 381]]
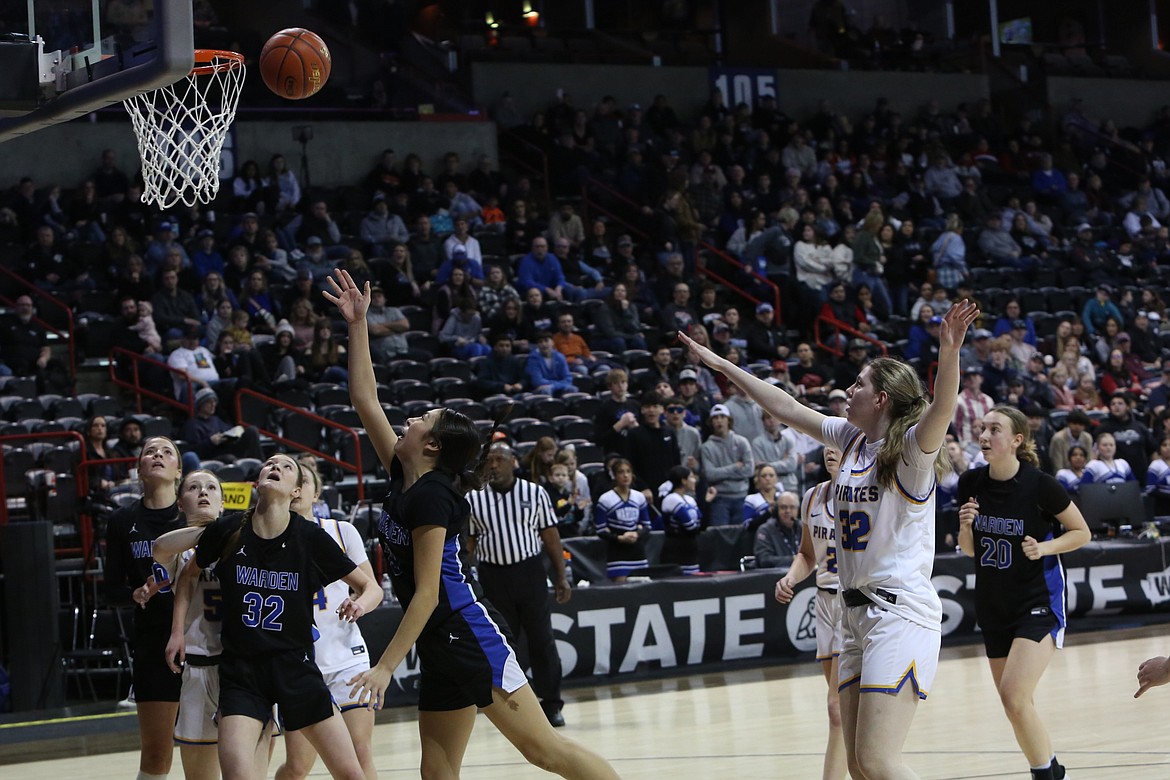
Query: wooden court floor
[[770, 723]]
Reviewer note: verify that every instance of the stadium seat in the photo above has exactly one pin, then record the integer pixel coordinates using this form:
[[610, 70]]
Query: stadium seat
[[410, 369], [325, 394], [450, 367]]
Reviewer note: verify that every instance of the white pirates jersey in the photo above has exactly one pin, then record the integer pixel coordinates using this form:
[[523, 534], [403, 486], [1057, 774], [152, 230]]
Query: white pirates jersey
[[885, 535], [340, 643], [819, 517], [204, 619]]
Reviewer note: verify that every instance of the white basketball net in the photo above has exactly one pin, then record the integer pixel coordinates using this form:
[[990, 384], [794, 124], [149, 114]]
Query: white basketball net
[[181, 129]]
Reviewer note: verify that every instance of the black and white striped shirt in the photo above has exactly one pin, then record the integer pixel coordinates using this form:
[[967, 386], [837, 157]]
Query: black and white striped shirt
[[507, 525]]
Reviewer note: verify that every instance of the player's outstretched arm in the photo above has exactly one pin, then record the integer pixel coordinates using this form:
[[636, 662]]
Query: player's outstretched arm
[[353, 303], [778, 403], [932, 428]]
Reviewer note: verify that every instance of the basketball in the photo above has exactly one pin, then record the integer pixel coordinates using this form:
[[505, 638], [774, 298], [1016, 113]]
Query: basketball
[[295, 63]]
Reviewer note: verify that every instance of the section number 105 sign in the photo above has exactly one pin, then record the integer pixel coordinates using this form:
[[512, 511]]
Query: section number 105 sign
[[744, 85]]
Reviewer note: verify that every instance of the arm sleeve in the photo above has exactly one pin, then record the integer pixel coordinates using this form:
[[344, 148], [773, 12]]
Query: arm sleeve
[[527, 281], [601, 518], [331, 562], [1051, 495], [211, 543], [355, 549], [545, 516]]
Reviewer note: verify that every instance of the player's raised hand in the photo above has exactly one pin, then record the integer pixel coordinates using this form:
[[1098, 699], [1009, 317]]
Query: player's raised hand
[[369, 687], [1152, 673], [955, 323], [350, 300], [697, 352]]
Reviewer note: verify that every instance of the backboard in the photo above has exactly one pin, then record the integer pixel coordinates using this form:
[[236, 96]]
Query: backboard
[[61, 59]]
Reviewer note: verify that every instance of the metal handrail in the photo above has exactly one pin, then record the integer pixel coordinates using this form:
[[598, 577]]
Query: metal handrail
[[70, 336], [137, 388], [81, 485], [355, 467], [701, 246], [842, 327]]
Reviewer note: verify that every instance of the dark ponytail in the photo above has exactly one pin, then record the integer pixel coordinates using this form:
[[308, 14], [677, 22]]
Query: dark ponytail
[[475, 475], [462, 453], [234, 539]]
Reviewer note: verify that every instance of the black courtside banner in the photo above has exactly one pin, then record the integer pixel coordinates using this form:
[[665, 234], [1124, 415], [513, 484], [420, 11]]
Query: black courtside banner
[[693, 624]]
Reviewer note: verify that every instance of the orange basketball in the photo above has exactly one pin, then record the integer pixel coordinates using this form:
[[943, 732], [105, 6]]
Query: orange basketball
[[295, 63]]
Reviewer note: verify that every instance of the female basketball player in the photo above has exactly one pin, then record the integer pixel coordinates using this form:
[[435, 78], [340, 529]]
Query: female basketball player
[[340, 650], [270, 564], [1009, 511], [461, 641], [892, 456], [818, 552], [195, 630], [130, 538]]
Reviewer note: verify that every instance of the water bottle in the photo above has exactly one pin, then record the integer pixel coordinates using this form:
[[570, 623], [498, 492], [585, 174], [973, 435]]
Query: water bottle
[[387, 591]]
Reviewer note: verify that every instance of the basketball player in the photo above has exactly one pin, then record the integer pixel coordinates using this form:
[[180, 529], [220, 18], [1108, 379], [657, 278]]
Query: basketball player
[[891, 459], [130, 537], [818, 553], [461, 641], [270, 564], [1009, 511], [340, 649]]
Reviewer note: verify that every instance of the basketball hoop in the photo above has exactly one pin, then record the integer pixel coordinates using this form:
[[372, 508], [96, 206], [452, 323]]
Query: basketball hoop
[[181, 129]]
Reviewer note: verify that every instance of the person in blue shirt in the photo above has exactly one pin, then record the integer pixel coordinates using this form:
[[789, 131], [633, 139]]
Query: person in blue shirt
[[460, 259], [547, 369], [1098, 309], [539, 270]]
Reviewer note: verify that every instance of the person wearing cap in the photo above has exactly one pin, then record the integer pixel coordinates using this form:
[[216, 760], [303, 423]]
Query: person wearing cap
[[892, 453], [728, 465], [849, 366], [766, 340], [1098, 309], [387, 329], [165, 238], [697, 401], [206, 258], [978, 351], [1020, 350], [194, 361], [972, 405], [1134, 440], [210, 437], [381, 229], [1074, 434], [650, 446]]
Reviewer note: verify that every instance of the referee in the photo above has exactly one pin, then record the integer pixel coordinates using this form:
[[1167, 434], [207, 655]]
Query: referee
[[511, 521]]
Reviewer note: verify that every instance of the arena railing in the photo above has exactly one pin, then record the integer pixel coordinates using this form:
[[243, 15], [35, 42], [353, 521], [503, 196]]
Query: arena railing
[[81, 486], [135, 385], [68, 335], [833, 345], [595, 204], [266, 402]]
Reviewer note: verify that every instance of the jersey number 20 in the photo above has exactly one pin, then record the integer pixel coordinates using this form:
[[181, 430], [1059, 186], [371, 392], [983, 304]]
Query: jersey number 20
[[262, 612], [855, 528], [997, 553]]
